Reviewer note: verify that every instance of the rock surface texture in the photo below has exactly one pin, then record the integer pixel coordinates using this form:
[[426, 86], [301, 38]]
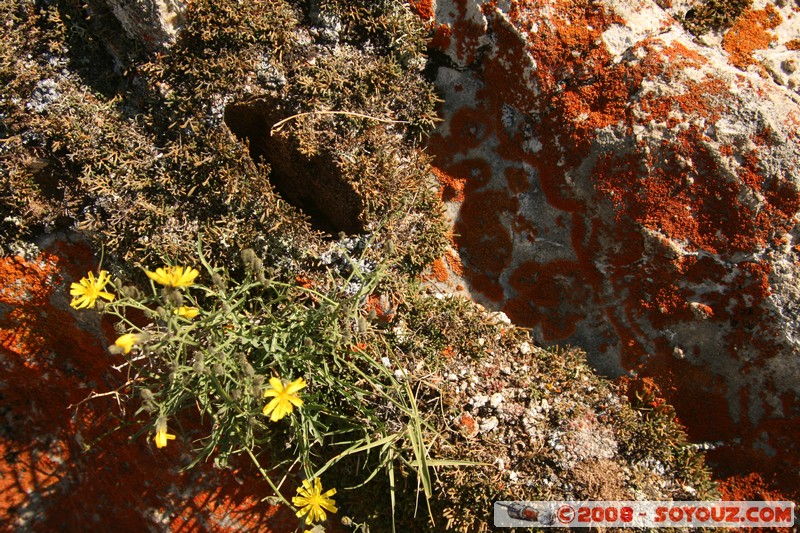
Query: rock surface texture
[[618, 184], [155, 23]]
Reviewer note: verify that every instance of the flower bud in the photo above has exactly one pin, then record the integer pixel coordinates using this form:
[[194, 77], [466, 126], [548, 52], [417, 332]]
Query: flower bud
[[248, 256], [172, 296], [161, 424], [199, 365], [131, 292], [247, 367]]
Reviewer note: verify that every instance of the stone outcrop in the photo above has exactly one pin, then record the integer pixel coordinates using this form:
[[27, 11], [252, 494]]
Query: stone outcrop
[[612, 184], [619, 185], [155, 23]]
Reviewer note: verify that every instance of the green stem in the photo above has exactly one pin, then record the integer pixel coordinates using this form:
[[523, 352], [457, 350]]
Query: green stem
[[269, 480]]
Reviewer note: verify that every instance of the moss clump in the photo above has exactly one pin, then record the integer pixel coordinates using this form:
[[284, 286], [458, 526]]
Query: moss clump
[[539, 424], [714, 15], [146, 164]]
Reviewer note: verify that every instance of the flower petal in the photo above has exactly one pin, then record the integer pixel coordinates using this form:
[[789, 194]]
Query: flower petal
[[276, 383], [107, 295], [295, 386], [271, 406]]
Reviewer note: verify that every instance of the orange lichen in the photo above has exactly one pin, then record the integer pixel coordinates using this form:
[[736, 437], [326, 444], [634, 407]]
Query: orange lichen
[[454, 262], [794, 44], [304, 282], [423, 9], [749, 34], [451, 188], [467, 425], [750, 487], [441, 37], [383, 307], [483, 240], [439, 269]]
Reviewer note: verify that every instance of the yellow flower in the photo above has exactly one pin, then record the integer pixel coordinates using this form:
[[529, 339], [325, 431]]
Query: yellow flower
[[173, 276], [88, 290], [162, 437], [187, 312], [284, 398], [126, 342], [312, 501]]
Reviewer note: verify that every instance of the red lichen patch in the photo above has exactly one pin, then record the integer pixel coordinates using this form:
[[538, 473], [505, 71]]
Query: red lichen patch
[[359, 347], [384, 308], [304, 282], [517, 180], [590, 107], [488, 286], [568, 44], [454, 262], [439, 270], [482, 238], [465, 35], [466, 424], [468, 128], [451, 188], [230, 506], [441, 37], [750, 487], [26, 282], [423, 9], [510, 53], [551, 294], [699, 207], [749, 34]]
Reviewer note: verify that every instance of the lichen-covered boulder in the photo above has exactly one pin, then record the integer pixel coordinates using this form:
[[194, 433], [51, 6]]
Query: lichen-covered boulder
[[261, 117], [617, 185]]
